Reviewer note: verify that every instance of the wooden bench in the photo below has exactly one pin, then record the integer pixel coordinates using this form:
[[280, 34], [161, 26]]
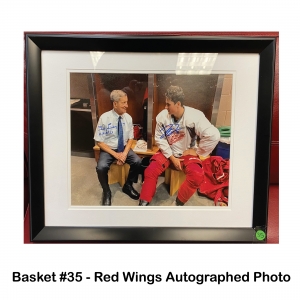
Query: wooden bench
[[174, 178], [118, 174]]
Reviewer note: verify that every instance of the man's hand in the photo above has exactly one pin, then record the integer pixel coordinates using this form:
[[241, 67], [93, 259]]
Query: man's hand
[[120, 163], [176, 162], [121, 158]]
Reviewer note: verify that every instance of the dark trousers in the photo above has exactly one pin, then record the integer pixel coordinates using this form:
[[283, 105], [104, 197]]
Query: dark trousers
[[105, 161]]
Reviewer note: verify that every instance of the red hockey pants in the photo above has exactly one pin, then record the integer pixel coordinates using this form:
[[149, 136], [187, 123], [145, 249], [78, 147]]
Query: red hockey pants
[[191, 166]]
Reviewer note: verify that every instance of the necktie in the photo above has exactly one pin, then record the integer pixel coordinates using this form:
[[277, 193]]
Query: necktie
[[120, 136]]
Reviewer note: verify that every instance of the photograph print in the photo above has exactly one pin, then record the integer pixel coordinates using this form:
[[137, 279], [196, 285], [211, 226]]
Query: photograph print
[[175, 133]]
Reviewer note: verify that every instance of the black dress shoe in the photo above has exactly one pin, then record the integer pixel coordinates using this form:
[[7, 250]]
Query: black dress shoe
[[131, 192], [200, 194], [106, 198], [143, 203], [178, 202]]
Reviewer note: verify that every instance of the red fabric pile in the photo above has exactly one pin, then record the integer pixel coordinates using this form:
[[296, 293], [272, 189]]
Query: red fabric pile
[[216, 180]]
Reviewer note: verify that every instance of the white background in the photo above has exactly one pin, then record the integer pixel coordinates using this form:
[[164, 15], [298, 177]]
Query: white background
[[16, 17]]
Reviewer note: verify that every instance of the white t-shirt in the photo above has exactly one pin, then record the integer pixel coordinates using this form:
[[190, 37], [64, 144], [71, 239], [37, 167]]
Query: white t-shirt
[[173, 138], [107, 129]]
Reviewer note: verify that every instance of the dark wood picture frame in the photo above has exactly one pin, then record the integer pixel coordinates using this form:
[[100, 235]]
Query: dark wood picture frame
[[35, 43]]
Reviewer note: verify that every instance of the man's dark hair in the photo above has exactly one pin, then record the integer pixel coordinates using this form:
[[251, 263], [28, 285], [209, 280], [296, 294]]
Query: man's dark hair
[[175, 94]]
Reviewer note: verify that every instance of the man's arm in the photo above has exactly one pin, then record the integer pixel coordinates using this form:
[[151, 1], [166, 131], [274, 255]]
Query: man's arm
[[209, 141], [161, 140], [128, 147], [209, 136], [163, 145], [107, 149]]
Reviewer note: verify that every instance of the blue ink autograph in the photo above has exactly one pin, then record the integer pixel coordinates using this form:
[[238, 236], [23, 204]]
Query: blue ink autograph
[[109, 126], [108, 130], [168, 130]]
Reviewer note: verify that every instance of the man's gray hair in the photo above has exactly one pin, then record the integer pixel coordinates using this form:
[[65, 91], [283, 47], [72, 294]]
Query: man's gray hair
[[115, 95]]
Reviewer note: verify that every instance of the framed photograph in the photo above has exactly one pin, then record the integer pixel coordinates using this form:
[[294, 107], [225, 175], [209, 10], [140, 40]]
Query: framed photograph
[[52, 62]]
